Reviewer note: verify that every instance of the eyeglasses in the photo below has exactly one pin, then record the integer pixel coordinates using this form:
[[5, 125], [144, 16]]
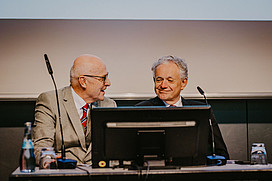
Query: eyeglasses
[[99, 78]]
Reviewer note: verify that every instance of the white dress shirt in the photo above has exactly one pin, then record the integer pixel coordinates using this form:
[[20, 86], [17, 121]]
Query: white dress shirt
[[177, 104], [79, 102]]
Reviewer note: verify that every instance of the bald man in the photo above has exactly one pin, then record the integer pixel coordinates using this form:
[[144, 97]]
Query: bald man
[[88, 82]]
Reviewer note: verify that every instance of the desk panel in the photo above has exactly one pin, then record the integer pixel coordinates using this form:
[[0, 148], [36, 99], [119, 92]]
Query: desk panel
[[226, 172]]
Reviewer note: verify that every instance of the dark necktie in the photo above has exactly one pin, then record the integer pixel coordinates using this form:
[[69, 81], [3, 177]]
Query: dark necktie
[[84, 117]]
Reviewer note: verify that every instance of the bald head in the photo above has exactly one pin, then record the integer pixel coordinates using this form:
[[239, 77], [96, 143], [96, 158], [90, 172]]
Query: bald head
[[85, 64], [88, 77]]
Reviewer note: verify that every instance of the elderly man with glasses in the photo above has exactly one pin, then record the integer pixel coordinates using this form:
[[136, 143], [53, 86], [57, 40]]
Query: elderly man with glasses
[[88, 82]]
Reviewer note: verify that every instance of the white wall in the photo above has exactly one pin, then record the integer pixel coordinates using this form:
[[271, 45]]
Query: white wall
[[224, 57], [228, 51]]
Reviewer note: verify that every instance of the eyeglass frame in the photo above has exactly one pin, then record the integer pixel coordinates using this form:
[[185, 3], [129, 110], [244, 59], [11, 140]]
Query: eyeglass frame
[[101, 77]]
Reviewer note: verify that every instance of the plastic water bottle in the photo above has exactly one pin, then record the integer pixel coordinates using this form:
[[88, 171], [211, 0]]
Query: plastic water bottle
[[27, 157], [258, 154]]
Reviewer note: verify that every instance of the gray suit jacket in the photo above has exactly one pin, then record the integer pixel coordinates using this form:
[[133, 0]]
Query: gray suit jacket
[[46, 128]]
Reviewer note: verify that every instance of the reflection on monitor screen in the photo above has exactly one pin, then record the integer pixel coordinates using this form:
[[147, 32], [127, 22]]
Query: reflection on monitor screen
[[155, 136]]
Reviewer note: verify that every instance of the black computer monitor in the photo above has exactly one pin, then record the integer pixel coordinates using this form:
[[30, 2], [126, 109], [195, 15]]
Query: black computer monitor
[[175, 136]]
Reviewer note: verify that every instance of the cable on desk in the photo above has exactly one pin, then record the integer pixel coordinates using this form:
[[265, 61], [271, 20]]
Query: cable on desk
[[147, 171], [89, 175], [136, 167]]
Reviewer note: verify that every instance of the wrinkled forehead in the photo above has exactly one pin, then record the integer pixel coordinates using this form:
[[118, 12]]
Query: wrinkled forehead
[[167, 70], [97, 69]]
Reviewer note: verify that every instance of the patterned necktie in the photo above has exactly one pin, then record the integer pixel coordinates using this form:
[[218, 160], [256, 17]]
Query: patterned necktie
[[172, 105], [84, 117]]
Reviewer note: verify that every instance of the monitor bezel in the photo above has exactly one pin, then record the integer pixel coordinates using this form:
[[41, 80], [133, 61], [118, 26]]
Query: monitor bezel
[[100, 116]]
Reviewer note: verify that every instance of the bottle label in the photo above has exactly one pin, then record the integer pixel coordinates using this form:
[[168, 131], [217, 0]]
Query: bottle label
[[27, 144]]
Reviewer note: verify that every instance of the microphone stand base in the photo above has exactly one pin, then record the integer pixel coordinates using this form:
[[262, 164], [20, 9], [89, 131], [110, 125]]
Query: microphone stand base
[[216, 160], [66, 163]]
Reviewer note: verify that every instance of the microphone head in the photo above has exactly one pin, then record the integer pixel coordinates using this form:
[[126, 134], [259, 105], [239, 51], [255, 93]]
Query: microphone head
[[49, 68], [45, 57], [200, 90]]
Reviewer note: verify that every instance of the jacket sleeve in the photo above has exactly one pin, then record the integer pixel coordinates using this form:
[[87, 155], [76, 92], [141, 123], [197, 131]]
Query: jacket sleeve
[[43, 131]]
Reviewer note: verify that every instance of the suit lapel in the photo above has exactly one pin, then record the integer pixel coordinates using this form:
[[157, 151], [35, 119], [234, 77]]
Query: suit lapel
[[95, 104], [70, 107], [157, 101], [89, 122]]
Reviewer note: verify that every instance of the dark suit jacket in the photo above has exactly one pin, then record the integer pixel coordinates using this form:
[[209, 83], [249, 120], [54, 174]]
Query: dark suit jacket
[[220, 146]]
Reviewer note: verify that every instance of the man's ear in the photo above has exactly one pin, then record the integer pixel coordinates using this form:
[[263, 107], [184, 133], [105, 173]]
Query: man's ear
[[82, 82], [184, 83]]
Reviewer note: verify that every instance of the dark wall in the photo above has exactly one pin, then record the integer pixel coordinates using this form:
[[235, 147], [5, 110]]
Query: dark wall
[[252, 115], [226, 111]]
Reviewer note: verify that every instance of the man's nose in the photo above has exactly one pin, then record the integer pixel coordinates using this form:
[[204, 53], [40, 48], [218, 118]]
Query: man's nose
[[164, 84], [107, 82]]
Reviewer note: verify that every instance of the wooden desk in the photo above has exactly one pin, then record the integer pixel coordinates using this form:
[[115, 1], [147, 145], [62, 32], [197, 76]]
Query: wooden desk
[[226, 172]]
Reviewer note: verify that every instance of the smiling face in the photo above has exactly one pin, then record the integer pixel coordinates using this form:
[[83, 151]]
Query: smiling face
[[168, 82]]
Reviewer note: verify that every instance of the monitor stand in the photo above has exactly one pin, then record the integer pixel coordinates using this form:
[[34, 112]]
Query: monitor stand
[[154, 163], [157, 165]]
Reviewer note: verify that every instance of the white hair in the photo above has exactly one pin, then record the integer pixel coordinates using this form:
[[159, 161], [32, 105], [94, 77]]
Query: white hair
[[178, 61]]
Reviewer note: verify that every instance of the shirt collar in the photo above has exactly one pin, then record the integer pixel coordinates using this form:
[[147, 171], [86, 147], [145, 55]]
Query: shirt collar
[[177, 104], [79, 102]]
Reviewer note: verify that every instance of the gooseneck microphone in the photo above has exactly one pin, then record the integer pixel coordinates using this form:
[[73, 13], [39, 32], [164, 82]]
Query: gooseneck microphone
[[49, 68], [50, 71], [202, 93], [63, 163], [214, 159]]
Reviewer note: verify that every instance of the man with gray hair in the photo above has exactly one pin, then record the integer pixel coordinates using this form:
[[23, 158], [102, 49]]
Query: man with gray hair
[[88, 82], [170, 75]]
